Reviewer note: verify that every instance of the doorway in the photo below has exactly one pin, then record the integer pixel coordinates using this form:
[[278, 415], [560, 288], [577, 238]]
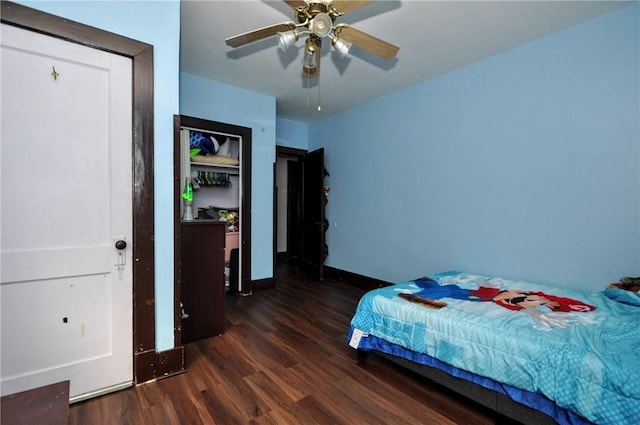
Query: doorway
[[299, 210], [237, 196], [288, 205]]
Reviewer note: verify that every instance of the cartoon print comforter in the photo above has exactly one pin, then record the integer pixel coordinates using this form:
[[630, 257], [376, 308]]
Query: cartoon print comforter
[[579, 349]]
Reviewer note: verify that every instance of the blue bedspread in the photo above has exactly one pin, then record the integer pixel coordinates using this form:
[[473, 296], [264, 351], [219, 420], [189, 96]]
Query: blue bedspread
[[583, 354]]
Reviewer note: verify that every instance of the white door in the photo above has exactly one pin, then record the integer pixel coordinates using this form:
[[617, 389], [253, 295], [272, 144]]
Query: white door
[[66, 290]]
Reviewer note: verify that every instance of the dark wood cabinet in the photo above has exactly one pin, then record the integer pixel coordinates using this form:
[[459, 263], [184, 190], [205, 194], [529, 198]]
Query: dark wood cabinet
[[202, 258]]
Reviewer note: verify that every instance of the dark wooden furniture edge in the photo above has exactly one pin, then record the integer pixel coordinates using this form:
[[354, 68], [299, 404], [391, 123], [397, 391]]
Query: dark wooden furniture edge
[[48, 404], [202, 246]]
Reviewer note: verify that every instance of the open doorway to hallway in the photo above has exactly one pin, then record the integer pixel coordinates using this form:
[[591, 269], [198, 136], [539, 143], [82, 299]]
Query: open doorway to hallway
[[299, 209], [288, 204]]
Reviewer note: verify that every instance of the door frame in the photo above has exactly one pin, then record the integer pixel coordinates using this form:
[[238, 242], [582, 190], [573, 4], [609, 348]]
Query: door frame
[[147, 364], [294, 212], [245, 134]]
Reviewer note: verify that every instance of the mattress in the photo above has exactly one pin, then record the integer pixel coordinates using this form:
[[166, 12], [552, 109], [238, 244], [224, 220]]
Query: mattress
[[578, 349]]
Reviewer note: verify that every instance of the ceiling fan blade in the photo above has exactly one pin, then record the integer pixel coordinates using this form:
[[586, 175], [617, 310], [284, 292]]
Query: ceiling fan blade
[[259, 34], [294, 4], [346, 6], [366, 41]]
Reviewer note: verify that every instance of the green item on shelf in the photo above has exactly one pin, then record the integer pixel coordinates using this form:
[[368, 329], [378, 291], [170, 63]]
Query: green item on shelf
[[187, 195]]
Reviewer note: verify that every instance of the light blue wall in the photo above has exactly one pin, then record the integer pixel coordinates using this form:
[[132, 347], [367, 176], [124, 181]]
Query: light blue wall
[[156, 23], [207, 99], [292, 134], [524, 165]]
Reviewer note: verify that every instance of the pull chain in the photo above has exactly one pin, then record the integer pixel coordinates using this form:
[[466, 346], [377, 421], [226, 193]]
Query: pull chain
[[319, 107], [308, 93], [308, 87]]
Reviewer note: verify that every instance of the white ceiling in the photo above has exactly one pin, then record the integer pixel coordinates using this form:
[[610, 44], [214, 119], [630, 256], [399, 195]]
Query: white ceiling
[[434, 37]]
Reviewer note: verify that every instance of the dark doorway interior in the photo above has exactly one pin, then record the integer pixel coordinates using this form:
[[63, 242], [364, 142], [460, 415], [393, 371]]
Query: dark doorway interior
[[299, 210]]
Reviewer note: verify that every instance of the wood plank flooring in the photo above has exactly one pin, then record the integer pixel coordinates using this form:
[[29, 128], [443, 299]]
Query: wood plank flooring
[[284, 359]]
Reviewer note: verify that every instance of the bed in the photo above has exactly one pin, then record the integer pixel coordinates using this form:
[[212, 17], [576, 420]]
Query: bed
[[529, 351]]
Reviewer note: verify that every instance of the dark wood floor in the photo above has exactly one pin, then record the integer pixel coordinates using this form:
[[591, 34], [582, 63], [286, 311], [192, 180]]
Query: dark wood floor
[[284, 359]]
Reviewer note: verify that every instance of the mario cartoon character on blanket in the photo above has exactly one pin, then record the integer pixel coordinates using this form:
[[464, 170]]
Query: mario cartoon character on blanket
[[536, 304]]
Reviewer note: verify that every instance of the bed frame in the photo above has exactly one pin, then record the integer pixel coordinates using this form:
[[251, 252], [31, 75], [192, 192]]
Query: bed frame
[[495, 401]]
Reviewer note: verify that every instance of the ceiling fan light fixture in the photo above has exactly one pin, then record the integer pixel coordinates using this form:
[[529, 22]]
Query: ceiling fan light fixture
[[321, 25], [341, 46], [287, 39]]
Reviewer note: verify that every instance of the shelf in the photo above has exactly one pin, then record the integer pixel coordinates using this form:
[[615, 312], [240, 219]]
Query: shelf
[[235, 168]]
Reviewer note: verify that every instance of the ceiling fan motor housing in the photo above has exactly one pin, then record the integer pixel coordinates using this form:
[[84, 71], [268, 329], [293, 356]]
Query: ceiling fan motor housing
[[311, 9], [316, 7]]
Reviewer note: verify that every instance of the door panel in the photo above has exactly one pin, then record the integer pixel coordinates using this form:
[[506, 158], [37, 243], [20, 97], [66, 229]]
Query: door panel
[[36, 264], [313, 237], [69, 309], [66, 198], [294, 209]]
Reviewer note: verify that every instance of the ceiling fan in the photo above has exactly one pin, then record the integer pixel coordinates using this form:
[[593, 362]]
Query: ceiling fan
[[316, 19]]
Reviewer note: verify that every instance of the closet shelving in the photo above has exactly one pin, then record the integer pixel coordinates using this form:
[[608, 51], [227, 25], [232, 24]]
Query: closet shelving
[[205, 242], [218, 196]]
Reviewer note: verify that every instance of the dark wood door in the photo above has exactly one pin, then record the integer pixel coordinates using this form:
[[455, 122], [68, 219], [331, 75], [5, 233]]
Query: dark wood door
[[312, 248], [294, 209]]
